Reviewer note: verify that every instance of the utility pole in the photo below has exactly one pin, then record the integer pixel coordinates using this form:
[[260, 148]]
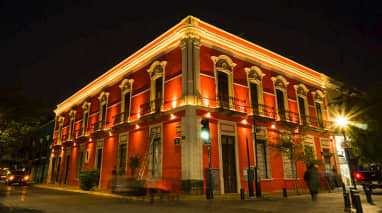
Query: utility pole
[[249, 173], [257, 179]]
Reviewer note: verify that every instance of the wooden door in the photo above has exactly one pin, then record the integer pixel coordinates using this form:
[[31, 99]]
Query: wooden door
[[229, 163]]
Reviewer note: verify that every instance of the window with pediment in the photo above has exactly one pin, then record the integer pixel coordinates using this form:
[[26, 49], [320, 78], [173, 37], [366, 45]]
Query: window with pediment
[[318, 98], [302, 103], [85, 118], [157, 74], [126, 91], [255, 86], [223, 70], [60, 121], [280, 85], [103, 100], [72, 118]]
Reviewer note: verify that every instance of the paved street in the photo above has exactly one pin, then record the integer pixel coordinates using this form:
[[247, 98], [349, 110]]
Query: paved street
[[36, 200]]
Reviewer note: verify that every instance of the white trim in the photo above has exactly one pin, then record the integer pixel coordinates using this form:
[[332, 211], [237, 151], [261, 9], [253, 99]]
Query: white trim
[[208, 76], [238, 183]]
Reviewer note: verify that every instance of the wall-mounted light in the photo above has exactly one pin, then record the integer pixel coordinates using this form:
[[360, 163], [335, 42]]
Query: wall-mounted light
[[173, 104], [273, 126], [110, 134], [90, 139], [208, 115], [244, 121], [136, 126], [172, 116]]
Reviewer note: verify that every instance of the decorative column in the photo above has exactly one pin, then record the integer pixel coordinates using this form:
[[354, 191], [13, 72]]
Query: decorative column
[[190, 46], [191, 145], [191, 153]]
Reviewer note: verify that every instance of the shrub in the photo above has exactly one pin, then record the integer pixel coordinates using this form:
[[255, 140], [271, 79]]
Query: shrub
[[88, 179]]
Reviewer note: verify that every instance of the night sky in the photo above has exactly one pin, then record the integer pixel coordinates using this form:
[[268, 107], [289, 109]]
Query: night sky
[[54, 48]]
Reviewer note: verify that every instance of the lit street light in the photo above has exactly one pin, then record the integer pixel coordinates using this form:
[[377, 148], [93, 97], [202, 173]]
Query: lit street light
[[342, 122]]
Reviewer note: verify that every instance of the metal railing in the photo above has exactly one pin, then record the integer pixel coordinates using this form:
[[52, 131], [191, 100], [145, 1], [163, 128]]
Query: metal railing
[[231, 103], [119, 118], [151, 106], [99, 125], [262, 110]]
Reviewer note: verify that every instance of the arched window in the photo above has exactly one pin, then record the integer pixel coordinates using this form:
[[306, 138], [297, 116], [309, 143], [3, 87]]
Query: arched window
[[302, 103], [157, 74], [255, 86], [72, 119], [103, 100], [126, 91], [318, 98], [223, 70], [280, 85], [60, 121], [85, 118]]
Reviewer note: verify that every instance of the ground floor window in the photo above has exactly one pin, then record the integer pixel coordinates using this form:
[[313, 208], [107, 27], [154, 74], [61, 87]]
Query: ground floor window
[[262, 159], [122, 158], [289, 166]]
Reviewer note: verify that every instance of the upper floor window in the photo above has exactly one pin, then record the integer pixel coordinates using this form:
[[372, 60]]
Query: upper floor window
[[223, 70], [85, 118], [103, 100], [60, 121], [157, 74], [280, 85], [318, 98], [126, 91], [302, 102], [72, 118], [255, 85]]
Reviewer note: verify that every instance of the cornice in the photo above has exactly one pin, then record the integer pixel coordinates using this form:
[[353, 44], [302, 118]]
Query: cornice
[[191, 27]]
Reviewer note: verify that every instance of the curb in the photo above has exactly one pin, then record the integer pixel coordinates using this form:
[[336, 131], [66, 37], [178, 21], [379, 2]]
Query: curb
[[87, 192]]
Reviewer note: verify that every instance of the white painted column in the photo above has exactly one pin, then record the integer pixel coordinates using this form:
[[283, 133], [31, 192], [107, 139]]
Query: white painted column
[[192, 153]]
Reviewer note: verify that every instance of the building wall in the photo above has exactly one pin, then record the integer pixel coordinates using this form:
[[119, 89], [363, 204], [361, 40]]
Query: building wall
[[172, 117]]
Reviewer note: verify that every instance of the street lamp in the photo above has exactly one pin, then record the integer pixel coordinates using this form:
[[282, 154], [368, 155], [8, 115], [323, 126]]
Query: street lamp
[[342, 122]]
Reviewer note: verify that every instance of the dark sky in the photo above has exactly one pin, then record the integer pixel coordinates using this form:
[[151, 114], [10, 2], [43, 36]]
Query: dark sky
[[54, 48]]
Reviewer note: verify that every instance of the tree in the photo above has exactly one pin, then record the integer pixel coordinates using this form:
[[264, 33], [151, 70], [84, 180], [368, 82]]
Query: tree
[[20, 116], [291, 145], [134, 163], [364, 111]]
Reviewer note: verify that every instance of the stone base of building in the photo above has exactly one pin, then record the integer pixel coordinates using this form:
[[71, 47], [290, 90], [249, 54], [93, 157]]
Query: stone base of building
[[192, 187]]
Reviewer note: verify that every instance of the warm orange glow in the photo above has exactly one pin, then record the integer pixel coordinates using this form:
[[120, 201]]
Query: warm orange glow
[[90, 139], [331, 137], [110, 134], [173, 104], [26, 177], [208, 115], [172, 116], [273, 126], [205, 102], [136, 126], [139, 115], [244, 121], [74, 144]]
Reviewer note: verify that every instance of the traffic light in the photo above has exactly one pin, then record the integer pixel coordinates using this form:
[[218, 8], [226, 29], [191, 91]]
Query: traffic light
[[205, 131]]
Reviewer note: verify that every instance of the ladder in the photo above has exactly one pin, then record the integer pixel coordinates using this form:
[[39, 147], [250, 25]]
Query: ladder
[[146, 157]]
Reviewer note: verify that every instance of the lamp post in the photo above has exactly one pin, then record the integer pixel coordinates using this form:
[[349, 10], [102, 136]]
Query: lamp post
[[342, 123]]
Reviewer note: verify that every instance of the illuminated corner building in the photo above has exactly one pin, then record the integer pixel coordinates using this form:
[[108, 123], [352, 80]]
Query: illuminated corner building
[[151, 105]]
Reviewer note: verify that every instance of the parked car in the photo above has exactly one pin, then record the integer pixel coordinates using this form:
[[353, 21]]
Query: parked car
[[19, 177], [370, 177], [3, 173]]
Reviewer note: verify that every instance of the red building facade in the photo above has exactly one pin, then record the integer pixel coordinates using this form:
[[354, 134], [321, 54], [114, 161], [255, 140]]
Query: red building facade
[[151, 104]]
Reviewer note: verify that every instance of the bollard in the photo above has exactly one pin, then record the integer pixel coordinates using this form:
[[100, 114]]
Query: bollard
[[357, 201], [368, 192], [346, 201], [242, 194], [285, 193]]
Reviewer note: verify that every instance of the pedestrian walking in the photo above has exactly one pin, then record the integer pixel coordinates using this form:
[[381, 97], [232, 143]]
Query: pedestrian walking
[[312, 179]]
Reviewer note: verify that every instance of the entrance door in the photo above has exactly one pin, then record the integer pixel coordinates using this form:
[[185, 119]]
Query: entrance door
[[98, 165], [52, 172], [58, 169], [229, 163], [67, 162]]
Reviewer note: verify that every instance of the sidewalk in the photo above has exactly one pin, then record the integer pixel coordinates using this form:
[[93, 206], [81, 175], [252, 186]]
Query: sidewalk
[[106, 193]]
